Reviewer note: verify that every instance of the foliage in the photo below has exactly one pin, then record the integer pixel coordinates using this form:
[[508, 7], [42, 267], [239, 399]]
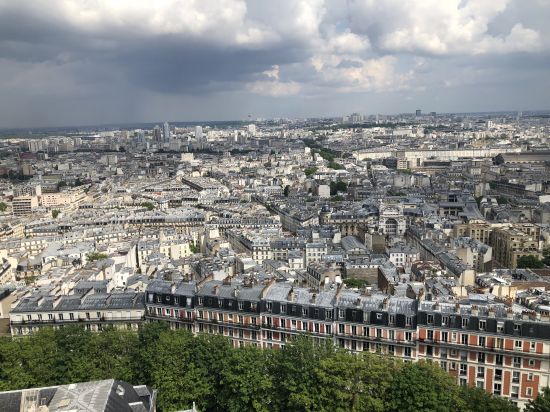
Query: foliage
[[304, 375], [334, 165], [55, 213], [337, 198], [478, 400], [310, 171], [194, 248], [541, 403], [286, 191], [3, 207], [95, 255], [355, 283], [148, 205], [339, 186], [530, 262]]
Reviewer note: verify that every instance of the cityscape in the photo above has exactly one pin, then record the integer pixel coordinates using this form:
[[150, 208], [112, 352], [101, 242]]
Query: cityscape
[[386, 260]]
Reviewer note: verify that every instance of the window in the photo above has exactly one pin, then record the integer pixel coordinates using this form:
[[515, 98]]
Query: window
[[268, 306], [408, 321], [240, 319], [463, 382], [50, 316], [480, 384], [29, 317], [378, 316], [498, 374], [497, 388], [430, 334], [531, 362], [391, 335], [481, 341], [328, 314], [498, 359], [530, 376], [500, 327], [159, 299], [392, 319], [529, 392], [200, 300], [328, 329], [453, 336], [378, 333], [515, 376], [60, 316], [517, 362], [220, 317], [341, 313], [71, 316], [341, 328], [241, 305], [445, 321], [444, 336], [464, 339], [430, 319], [176, 300], [408, 336], [515, 392], [304, 311], [518, 344], [480, 372], [408, 352], [465, 322], [463, 369], [283, 308], [481, 357], [304, 325], [482, 325], [517, 328], [533, 346]]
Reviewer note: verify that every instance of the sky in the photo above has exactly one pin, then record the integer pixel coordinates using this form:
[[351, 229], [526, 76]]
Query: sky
[[85, 62]]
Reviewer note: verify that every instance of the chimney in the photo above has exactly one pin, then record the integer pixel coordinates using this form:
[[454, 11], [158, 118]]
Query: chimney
[[291, 295], [313, 298], [236, 292]]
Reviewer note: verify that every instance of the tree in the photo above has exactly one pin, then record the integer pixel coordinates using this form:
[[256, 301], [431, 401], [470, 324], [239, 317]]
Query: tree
[[95, 255], [287, 190], [3, 207], [530, 262], [245, 381], [478, 399], [148, 205], [423, 386], [541, 403], [55, 213], [355, 283], [310, 171], [338, 186]]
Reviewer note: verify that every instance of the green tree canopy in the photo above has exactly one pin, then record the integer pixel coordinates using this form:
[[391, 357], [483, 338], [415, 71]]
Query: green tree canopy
[[530, 262], [541, 403]]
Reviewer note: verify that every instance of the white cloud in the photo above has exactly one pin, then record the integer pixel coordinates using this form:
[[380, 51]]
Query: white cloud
[[274, 88]]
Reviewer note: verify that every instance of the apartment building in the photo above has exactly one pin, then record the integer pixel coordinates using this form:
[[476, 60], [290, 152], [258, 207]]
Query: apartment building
[[480, 343], [24, 205], [92, 310]]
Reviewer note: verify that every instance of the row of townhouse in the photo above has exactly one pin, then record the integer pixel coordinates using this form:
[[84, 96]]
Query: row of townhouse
[[481, 344]]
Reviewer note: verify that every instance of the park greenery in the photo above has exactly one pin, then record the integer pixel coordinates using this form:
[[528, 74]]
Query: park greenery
[[208, 370], [310, 170], [338, 186], [55, 213], [3, 207]]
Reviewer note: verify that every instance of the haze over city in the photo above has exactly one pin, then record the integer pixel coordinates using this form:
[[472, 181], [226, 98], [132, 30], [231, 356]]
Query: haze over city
[[87, 62]]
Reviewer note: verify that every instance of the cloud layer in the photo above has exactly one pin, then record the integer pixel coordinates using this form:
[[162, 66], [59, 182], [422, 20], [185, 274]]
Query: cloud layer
[[71, 62]]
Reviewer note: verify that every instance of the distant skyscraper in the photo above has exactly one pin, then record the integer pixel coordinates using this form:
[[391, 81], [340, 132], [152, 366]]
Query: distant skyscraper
[[166, 131], [418, 112], [198, 133], [156, 134], [252, 129]]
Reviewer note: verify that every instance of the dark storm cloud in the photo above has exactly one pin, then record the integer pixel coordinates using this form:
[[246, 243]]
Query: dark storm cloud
[[66, 62]]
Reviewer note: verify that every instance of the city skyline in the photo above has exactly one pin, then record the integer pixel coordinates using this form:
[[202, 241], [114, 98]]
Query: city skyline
[[65, 63]]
